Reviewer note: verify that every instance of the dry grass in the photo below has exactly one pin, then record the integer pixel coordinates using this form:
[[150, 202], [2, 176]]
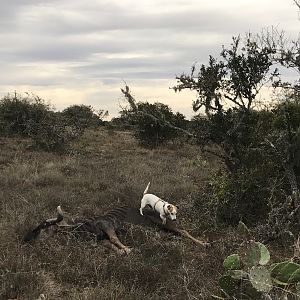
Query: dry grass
[[106, 169]]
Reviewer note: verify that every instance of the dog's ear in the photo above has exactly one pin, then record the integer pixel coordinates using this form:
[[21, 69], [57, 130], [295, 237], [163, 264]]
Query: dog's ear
[[177, 206]]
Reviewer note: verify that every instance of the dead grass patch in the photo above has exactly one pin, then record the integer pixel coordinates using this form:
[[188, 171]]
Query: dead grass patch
[[105, 169]]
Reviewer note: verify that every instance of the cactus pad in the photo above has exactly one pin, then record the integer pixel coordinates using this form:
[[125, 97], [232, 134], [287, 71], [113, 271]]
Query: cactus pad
[[232, 262], [260, 278]]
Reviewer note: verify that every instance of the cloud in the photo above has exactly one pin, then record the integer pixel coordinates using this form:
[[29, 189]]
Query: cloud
[[82, 51]]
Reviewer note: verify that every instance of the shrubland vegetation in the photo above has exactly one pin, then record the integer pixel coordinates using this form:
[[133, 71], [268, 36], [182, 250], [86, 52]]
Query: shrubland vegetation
[[237, 160], [84, 116], [258, 146], [30, 116], [106, 168], [157, 125]]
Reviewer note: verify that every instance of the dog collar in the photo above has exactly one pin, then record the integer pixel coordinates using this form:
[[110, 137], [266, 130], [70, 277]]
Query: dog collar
[[156, 203], [166, 213]]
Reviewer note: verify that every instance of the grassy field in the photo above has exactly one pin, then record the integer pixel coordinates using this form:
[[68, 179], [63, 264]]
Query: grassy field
[[106, 169]]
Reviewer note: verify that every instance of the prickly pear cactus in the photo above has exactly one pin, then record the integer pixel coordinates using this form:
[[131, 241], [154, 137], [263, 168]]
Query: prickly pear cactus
[[248, 276], [254, 253], [246, 272], [243, 230], [232, 262], [228, 284], [250, 254], [264, 254], [285, 273], [260, 279]]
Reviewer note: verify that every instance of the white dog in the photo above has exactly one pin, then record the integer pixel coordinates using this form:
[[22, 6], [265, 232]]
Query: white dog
[[164, 208]]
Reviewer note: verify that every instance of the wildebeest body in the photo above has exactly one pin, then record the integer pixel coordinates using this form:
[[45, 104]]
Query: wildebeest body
[[107, 227]]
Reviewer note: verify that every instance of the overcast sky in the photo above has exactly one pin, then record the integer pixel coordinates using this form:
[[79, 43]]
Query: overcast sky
[[71, 51]]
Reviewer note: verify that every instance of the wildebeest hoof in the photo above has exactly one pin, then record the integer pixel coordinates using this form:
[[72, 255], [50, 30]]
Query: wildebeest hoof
[[126, 250]]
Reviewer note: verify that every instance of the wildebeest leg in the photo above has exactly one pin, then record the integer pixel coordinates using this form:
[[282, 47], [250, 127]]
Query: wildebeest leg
[[186, 234], [173, 228], [108, 244], [114, 240]]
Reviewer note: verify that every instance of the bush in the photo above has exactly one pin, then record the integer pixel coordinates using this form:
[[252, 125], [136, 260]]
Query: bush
[[235, 132], [17, 113], [243, 196], [31, 117], [151, 123], [286, 135], [120, 123], [52, 133], [260, 149], [83, 116], [263, 168]]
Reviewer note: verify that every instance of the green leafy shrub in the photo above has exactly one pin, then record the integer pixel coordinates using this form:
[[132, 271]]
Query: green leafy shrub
[[83, 116], [152, 123], [31, 117], [259, 148], [17, 113], [121, 122], [52, 133]]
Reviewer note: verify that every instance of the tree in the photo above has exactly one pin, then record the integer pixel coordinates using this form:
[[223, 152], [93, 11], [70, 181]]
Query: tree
[[236, 79], [227, 89], [259, 147], [284, 142]]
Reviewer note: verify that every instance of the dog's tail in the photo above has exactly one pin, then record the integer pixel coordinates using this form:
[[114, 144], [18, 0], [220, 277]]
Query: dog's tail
[[146, 190]]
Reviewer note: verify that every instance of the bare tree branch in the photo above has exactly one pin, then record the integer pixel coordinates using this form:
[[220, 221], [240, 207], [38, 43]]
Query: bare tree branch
[[297, 3], [129, 97]]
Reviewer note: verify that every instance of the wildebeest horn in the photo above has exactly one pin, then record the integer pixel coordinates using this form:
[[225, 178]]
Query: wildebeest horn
[[60, 217], [33, 234]]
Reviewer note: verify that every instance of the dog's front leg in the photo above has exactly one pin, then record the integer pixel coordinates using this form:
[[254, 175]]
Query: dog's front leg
[[163, 218], [143, 205]]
